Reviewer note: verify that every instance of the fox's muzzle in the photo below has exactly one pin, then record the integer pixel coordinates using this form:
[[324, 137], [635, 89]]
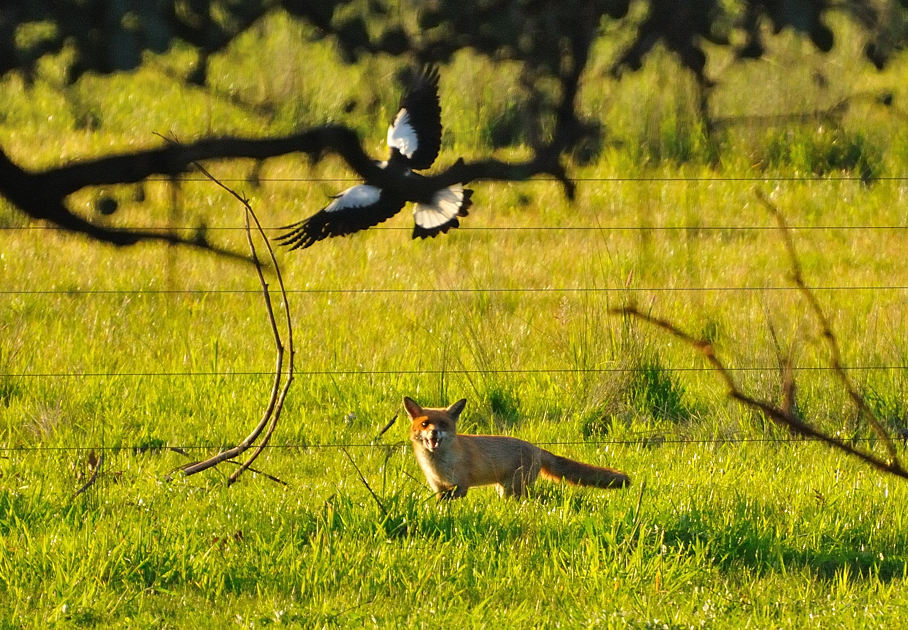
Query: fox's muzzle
[[432, 439]]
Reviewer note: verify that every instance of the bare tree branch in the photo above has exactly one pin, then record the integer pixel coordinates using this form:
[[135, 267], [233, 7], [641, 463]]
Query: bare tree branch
[[786, 414], [277, 406], [773, 412], [835, 355], [42, 195], [278, 392]]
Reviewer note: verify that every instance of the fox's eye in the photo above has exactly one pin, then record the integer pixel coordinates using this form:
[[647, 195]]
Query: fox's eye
[[425, 424]]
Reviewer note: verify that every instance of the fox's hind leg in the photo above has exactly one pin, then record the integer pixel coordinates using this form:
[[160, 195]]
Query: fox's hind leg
[[518, 483]]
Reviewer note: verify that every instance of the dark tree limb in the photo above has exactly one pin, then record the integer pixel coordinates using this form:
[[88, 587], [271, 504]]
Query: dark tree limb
[[42, 194], [545, 162]]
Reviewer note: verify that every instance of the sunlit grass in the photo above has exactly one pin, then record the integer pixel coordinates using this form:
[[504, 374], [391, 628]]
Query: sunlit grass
[[126, 351]]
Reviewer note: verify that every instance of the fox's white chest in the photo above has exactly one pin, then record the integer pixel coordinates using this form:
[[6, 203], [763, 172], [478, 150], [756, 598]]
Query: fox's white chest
[[439, 468]]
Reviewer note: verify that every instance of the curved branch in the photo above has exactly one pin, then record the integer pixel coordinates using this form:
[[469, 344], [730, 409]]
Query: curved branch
[[278, 394]]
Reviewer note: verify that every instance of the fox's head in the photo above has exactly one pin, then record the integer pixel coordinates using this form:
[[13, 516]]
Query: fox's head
[[432, 428]]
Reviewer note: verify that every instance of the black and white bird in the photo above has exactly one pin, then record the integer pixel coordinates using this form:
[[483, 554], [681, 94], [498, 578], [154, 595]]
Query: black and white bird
[[414, 139]]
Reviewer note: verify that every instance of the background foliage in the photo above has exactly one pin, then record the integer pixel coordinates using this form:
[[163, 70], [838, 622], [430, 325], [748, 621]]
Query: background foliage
[[131, 352]]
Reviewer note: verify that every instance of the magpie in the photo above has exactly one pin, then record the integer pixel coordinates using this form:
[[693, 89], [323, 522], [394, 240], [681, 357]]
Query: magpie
[[414, 139]]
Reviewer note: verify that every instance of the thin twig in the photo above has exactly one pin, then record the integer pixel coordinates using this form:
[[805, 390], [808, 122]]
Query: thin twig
[[278, 394], [258, 472], [365, 483], [416, 480], [389, 425], [236, 463]]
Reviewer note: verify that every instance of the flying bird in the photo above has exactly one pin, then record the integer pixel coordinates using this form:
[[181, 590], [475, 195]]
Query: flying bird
[[414, 139]]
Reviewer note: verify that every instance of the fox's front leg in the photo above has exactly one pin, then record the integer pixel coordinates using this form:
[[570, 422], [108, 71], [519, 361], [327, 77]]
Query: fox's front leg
[[457, 492]]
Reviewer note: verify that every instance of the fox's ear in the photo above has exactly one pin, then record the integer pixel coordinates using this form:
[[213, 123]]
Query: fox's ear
[[457, 408], [413, 410]]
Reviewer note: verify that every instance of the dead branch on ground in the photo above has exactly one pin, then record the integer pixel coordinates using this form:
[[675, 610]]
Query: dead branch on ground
[[94, 464]]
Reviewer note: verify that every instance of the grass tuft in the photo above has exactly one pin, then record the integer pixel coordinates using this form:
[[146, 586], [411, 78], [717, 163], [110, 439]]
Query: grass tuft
[[824, 152]]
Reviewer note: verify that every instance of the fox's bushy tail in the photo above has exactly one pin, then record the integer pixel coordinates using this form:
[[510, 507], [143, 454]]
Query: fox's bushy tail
[[559, 468]]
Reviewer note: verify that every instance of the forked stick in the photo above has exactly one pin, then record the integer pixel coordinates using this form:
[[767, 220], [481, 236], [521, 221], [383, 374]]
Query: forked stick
[[786, 415], [774, 412], [274, 406], [278, 393], [835, 355]]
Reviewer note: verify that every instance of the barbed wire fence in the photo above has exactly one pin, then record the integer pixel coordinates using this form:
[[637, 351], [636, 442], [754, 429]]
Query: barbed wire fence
[[658, 438]]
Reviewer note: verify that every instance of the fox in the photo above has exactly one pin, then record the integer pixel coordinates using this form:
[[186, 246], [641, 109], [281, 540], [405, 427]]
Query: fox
[[453, 463]]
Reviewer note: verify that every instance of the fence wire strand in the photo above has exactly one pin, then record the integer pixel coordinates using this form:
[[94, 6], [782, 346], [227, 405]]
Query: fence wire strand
[[653, 440]]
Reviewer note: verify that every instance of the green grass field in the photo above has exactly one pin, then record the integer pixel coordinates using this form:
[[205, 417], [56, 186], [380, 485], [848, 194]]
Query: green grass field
[[729, 523]]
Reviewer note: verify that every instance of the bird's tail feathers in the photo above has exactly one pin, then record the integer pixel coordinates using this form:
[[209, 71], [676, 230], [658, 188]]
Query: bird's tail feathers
[[441, 215]]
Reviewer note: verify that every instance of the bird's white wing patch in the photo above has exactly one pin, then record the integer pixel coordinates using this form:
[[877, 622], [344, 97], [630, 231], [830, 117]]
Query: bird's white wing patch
[[356, 197], [402, 135], [444, 207]]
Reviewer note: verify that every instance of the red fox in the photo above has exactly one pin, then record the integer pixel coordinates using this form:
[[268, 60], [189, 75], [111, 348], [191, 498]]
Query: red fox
[[454, 463]]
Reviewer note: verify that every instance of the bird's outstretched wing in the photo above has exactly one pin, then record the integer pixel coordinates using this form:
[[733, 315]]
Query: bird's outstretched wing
[[353, 210], [414, 136], [441, 215]]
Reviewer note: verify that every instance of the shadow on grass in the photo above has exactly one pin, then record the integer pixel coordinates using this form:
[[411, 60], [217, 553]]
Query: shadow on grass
[[742, 542]]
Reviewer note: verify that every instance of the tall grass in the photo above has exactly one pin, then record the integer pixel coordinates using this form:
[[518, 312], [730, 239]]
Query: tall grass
[[729, 523]]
